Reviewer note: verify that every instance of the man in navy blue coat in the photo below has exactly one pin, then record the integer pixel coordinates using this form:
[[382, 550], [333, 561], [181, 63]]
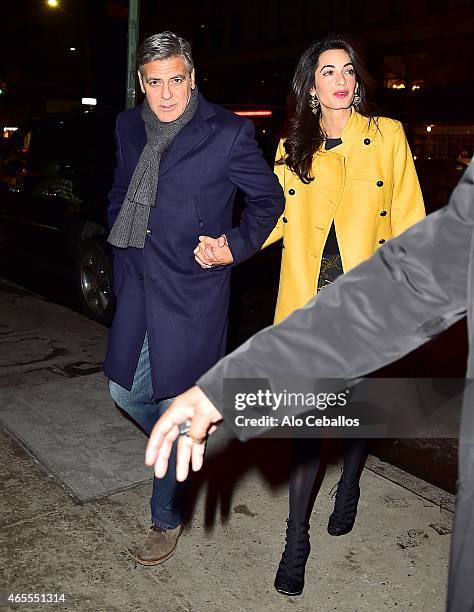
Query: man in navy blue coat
[[180, 161]]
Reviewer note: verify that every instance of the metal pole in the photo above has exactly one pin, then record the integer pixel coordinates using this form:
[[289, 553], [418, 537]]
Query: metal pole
[[132, 43]]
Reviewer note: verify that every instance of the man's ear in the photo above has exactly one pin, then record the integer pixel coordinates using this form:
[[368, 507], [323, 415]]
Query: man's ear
[[193, 79], [140, 80]]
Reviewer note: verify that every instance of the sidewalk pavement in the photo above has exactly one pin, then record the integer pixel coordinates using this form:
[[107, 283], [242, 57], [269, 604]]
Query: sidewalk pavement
[[395, 558]]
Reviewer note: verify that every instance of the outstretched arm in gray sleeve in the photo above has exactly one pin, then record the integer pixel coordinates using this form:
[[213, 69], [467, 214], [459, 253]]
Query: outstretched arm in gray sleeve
[[410, 290]]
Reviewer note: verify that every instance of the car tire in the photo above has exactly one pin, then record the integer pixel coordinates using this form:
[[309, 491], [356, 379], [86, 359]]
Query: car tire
[[94, 281]]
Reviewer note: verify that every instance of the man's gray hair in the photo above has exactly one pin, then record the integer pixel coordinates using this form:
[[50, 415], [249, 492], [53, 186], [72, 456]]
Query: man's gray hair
[[163, 46]]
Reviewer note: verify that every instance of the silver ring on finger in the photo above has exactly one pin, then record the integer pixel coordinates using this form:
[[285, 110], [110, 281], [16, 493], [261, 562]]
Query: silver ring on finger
[[183, 428]]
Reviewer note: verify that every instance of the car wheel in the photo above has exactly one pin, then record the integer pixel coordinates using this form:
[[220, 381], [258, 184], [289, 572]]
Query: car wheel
[[94, 281]]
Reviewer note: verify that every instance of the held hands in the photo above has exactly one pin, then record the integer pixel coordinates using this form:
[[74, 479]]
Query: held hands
[[213, 252], [192, 405]]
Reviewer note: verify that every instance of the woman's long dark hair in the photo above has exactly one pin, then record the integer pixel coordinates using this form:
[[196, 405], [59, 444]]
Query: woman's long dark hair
[[305, 134]]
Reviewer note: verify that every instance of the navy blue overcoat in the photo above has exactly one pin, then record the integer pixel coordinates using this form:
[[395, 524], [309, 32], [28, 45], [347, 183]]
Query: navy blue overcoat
[[161, 289]]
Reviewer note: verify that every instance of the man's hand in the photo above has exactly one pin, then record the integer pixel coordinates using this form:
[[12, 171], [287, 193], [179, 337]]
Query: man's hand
[[213, 252], [191, 405]]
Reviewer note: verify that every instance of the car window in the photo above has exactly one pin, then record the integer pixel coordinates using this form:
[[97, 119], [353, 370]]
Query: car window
[[87, 141], [69, 145], [48, 147]]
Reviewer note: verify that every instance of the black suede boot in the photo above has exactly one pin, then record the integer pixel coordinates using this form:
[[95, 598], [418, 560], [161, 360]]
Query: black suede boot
[[289, 579], [343, 518]]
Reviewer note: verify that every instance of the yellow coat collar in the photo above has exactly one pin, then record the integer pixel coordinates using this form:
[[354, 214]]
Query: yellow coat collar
[[357, 125]]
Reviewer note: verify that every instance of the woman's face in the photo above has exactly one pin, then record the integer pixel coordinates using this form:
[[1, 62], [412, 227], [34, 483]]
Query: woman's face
[[334, 80]]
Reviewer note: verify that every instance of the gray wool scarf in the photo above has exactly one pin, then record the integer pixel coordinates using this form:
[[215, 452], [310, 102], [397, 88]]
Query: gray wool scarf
[[130, 226]]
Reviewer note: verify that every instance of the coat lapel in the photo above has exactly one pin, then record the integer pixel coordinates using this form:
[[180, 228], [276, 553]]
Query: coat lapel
[[190, 136], [138, 143]]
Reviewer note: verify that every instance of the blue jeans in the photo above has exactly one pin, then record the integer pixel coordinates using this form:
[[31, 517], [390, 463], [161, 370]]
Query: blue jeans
[[169, 496]]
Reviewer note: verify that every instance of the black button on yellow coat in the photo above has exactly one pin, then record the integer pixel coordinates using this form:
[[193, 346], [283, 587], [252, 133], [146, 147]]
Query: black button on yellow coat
[[285, 220], [379, 183], [382, 240], [291, 191], [383, 213], [367, 141]]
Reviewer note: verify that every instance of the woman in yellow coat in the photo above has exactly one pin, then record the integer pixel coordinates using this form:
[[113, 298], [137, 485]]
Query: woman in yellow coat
[[350, 186]]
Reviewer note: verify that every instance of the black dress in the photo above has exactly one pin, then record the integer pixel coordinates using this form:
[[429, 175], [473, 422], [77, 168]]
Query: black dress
[[331, 264]]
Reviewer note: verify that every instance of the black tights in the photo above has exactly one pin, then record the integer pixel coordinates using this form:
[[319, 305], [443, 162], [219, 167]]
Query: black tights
[[304, 467]]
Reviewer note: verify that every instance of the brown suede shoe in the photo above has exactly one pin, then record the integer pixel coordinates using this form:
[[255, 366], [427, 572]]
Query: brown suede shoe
[[159, 545]]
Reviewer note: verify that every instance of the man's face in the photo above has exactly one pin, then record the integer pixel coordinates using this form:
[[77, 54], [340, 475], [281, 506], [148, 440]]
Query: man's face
[[167, 85]]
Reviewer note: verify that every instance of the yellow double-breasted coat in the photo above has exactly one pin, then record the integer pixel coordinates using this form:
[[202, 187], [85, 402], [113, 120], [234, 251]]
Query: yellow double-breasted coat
[[367, 185]]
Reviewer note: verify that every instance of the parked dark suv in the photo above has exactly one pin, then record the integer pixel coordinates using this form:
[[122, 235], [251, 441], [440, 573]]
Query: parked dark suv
[[54, 177]]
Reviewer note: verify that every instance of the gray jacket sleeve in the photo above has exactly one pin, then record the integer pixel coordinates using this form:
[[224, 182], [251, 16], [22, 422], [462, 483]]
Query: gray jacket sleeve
[[410, 290]]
